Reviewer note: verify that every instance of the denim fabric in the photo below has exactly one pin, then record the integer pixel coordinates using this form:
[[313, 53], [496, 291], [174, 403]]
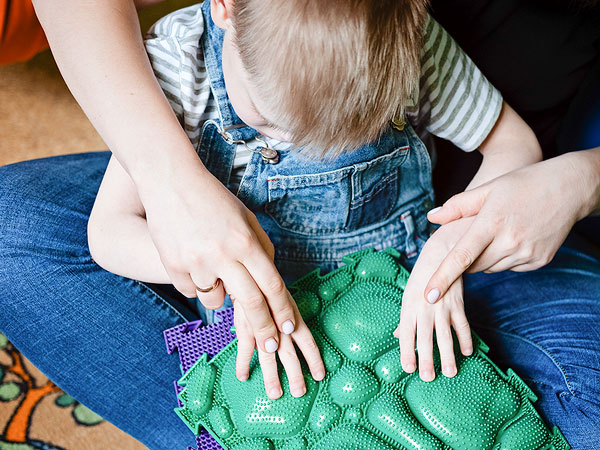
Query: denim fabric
[[318, 211], [98, 335], [545, 325]]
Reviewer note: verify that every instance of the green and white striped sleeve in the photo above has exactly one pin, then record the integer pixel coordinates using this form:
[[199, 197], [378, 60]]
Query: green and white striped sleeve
[[455, 100], [173, 46]]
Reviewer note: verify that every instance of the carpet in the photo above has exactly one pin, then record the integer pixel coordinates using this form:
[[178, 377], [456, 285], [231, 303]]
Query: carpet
[[36, 414]]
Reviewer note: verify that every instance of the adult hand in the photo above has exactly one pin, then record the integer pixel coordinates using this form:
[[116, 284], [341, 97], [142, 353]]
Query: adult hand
[[521, 218], [203, 233], [268, 361]]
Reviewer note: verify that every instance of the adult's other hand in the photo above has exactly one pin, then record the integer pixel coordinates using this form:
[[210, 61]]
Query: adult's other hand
[[522, 217]]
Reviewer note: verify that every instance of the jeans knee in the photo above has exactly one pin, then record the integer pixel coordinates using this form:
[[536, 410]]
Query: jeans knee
[[12, 204], [43, 212]]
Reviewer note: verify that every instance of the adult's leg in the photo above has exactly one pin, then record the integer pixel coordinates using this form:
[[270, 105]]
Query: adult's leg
[[545, 325], [95, 334]]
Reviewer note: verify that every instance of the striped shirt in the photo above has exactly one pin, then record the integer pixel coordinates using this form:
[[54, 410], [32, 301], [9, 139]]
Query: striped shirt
[[454, 100]]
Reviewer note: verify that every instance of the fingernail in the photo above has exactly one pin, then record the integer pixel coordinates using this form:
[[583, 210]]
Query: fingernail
[[410, 368], [275, 393], [434, 210], [288, 327], [433, 295], [427, 376], [319, 375], [243, 377], [299, 392], [468, 352], [449, 371], [271, 345]]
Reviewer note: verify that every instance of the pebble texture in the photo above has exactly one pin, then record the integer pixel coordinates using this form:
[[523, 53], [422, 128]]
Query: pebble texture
[[366, 401]]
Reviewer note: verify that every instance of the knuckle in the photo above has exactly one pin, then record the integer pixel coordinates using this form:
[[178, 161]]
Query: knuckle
[[452, 202], [275, 285], [463, 257], [311, 346], [297, 382], [312, 354], [514, 239], [266, 331], [173, 263], [271, 380], [462, 327], [194, 259], [287, 353], [285, 313], [527, 253], [253, 302], [244, 240]]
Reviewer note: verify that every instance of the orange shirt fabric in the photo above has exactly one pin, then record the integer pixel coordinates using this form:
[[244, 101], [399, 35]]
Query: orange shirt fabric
[[21, 35]]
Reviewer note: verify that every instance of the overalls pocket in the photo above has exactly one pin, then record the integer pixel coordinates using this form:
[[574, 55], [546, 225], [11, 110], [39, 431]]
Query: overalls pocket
[[338, 201]]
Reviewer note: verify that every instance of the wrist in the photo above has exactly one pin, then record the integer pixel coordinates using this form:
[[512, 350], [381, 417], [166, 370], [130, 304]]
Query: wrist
[[511, 142], [165, 168], [584, 167]]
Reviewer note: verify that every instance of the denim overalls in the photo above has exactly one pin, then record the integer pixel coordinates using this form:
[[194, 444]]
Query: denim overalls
[[315, 212]]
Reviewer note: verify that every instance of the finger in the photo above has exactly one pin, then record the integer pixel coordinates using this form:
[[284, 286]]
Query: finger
[[406, 336], [443, 335], [501, 264], [491, 256], [210, 300], [245, 345], [306, 343], [309, 349], [263, 238], [241, 285], [183, 283], [268, 365], [465, 204], [425, 345], [458, 260], [270, 283], [461, 326], [291, 364], [526, 267]]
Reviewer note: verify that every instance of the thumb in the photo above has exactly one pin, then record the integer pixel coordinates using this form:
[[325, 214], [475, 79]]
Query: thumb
[[465, 204]]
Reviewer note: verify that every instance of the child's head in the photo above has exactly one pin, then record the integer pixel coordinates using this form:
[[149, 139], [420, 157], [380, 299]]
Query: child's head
[[326, 75]]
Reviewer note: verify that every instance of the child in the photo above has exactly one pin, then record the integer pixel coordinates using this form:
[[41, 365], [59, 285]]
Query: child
[[335, 79]]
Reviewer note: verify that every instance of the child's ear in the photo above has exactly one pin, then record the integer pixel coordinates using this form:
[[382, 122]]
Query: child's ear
[[220, 11]]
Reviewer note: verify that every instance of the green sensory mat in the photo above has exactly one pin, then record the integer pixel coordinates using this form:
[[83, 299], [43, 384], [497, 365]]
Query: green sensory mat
[[366, 401]]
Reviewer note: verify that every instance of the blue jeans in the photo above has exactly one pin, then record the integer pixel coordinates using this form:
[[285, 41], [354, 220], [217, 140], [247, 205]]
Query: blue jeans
[[98, 335]]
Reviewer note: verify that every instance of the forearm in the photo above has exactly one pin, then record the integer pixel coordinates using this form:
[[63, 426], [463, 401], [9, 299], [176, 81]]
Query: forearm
[[122, 245], [510, 145], [581, 170], [100, 52], [118, 236]]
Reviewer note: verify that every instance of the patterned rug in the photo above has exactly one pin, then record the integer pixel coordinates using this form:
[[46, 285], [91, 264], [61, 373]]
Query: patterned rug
[[36, 414]]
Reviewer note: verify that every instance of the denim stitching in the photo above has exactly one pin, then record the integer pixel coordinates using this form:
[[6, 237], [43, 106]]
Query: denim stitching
[[146, 288], [539, 347], [354, 204]]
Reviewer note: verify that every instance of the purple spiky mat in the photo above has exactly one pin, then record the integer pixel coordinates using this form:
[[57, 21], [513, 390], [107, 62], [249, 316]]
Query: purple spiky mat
[[191, 340]]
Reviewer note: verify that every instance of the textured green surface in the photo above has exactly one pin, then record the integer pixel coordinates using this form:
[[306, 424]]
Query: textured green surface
[[366, 401]]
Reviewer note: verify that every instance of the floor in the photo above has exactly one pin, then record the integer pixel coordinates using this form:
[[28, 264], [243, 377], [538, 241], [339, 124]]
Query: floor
[[38, 115], [38, 118]]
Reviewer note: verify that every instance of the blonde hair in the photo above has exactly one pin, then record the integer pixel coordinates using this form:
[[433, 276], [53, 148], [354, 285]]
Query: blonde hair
[[333, 73]]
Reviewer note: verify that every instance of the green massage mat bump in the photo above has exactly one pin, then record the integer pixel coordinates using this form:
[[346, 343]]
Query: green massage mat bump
[[366, 400]]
